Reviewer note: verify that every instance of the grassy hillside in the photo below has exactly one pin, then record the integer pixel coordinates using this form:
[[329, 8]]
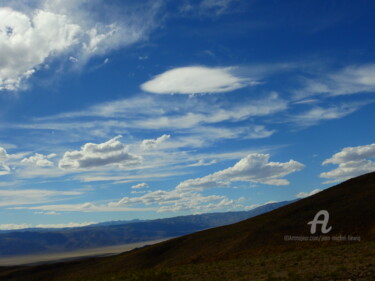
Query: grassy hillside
[[258, 241]]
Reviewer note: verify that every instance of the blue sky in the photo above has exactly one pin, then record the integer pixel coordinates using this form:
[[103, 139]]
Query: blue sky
[[116, 110]]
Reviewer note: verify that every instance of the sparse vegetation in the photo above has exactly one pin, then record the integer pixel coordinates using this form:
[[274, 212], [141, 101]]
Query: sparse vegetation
[[248, 250]]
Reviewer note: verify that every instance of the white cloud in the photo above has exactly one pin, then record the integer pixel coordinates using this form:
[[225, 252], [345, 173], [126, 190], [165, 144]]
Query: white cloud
[[32, 196], [347, 81], [60, 225], [140, 185], [39, 160], [253, 206], [201, 162], [352, 162], [65, 225], [176, 200], [92, 155], [84, 207], [138, 192], [218, 5], [307, 194], [154, 143], [51, 213], [4, 169], [30, 37], [196, 80], [12, 226], [254, 167], [352, 154], [318, 114], [209, 8]]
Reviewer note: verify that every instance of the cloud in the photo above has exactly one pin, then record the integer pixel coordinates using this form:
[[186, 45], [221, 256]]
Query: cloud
[[39, 160], [307, 194], [352, 162], [60, 225], [65, 225], [347, 81], [12, 226], [202, 162], [30, 37], [219, 6], [83, 207], [92, 155], [209, 8], [196, 80], [318, 114], [32, 196], [140, 185], [177, 200], [154, 143], [253, 206], [4, 169], [352, 154], [255, 167]]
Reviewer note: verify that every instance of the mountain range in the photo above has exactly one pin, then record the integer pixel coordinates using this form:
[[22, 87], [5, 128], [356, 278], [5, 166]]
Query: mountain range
[[36, 241]]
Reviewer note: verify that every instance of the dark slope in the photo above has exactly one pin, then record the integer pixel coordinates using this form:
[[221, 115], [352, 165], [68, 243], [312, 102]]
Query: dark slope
[[351, 206], [352, 211], [52, 241]]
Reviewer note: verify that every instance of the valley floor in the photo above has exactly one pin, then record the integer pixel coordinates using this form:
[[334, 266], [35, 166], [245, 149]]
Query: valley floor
[[73, 255], [343, 262]]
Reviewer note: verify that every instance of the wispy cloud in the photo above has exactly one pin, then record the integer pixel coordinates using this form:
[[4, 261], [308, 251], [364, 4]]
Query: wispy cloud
[[347, 81], [317, 114], [58, 225], [33, 196]]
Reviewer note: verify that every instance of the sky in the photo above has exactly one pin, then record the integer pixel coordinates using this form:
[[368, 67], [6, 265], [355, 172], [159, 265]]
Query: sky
[[121, 110]]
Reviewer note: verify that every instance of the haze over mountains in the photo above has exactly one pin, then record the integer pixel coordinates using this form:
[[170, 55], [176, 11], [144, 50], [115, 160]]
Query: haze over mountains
[[350, 205], [36, 241]]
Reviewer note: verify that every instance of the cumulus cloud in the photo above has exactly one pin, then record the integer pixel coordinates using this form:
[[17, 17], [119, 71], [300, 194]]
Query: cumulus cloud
[[140, 185], [352, 162], [30, 36], [92, 155], [352, 154], [307, 194], [154, 143], [39, 160], [196, 80], [255, 167], [176, 200]]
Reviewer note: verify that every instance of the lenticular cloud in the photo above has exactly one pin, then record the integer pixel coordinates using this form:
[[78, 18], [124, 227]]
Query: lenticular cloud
[[195, 80]]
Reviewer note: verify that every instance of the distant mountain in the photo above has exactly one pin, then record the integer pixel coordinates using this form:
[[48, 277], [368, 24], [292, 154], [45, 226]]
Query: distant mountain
[[32, 241], [351, 206]]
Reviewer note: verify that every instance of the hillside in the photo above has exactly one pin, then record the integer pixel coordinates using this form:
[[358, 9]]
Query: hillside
[[36, 241], [352, 212]]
